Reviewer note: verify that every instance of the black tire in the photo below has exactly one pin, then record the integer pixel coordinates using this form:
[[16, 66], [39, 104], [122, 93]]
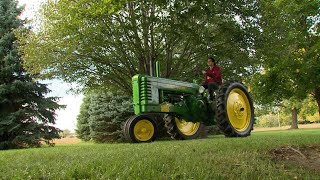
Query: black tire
[[145, 122], [238, 122], [175, 133]]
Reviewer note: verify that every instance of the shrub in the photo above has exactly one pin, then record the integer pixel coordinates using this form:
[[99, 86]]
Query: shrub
[[102, 115]]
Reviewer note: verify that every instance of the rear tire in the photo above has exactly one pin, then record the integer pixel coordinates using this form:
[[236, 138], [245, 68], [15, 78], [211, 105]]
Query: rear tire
[[141, 128], [181, 130], [235, 111]]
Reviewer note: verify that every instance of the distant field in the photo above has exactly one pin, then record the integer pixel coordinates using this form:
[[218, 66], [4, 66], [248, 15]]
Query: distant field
[[290, 154], [67, 140]]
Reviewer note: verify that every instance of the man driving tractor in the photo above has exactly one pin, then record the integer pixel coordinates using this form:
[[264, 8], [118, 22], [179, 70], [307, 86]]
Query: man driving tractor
[[213, 77]]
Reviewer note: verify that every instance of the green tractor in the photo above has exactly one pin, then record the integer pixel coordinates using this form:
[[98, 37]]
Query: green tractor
[[186, 108]]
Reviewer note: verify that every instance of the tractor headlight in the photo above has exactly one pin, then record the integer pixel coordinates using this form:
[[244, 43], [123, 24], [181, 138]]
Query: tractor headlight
[[201, 89]]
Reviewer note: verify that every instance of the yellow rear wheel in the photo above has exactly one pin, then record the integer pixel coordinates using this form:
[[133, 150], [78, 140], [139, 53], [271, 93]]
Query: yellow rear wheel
[[187, 128], [181, 129], [235, 112], [239, 110]]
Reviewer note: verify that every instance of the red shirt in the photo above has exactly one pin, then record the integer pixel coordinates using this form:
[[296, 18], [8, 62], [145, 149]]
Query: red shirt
[[213, 75]]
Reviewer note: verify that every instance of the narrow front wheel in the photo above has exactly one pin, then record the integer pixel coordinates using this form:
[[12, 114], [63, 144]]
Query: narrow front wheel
[[141, 128]]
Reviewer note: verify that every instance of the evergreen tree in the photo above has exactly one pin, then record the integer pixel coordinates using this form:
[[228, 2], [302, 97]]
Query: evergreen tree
[[102, 115], [26, 116], [83, 128], [107, 114]]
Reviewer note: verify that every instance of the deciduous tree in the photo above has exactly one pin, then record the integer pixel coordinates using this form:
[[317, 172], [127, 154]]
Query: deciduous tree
[[289, 52], [97, 43]]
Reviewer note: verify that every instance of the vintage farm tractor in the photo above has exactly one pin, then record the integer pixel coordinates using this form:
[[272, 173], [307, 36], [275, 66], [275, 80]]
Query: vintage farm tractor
[[185, 108]]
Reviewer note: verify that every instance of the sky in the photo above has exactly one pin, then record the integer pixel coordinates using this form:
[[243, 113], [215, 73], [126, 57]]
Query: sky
[[66, 118]]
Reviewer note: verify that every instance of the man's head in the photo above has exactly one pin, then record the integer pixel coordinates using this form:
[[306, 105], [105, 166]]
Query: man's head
[[211, 62]]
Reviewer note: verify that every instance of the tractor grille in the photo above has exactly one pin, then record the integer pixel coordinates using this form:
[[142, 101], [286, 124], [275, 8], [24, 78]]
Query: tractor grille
[[145, 91]]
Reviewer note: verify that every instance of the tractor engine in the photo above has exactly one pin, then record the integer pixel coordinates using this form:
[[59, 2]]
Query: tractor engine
[[158, 95]]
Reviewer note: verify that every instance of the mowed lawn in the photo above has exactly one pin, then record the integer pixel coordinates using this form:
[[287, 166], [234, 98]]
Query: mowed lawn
[[213, 158]]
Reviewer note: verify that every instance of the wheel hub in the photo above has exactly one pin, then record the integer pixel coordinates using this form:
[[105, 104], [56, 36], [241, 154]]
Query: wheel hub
[[143, 130], [239, 110]]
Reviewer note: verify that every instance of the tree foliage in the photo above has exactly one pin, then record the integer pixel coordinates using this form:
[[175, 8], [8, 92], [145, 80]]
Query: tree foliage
[[26, 115], [289, 52], [83, 127], [102, 115], [96, 43], [305, 107], [65, 133]]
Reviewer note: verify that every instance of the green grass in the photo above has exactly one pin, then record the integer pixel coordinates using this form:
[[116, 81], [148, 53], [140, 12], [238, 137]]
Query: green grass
[[212, 158]]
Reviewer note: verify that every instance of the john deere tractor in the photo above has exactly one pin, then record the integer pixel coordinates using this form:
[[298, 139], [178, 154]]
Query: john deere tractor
[[185, 108]]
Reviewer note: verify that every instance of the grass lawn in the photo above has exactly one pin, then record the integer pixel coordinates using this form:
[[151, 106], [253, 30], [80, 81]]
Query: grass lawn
[[213, 158]]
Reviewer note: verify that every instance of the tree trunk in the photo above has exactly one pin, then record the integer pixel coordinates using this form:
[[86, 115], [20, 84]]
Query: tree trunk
[[317, 96], [294, 124]]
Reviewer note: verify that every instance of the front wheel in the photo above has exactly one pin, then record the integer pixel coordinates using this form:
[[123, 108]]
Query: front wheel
[[141, 128], [235, 111]]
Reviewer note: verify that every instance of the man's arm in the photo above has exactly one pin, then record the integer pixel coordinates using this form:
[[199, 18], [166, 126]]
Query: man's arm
[[210, 74]]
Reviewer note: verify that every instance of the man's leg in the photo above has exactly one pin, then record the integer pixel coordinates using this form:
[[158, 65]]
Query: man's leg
[[205, 85], [212, 87]]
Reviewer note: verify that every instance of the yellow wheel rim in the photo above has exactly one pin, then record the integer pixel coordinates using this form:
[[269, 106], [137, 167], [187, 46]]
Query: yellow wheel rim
[[239, 110], [187, 128], [143, 130]]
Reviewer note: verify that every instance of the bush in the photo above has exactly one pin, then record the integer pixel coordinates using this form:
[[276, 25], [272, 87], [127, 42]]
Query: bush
[[102, 115], [83, 129]]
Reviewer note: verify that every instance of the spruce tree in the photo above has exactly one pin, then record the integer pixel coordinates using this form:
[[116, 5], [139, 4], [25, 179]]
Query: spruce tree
[[83, 127], [107, 114], [26, 115], [102, 115]]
